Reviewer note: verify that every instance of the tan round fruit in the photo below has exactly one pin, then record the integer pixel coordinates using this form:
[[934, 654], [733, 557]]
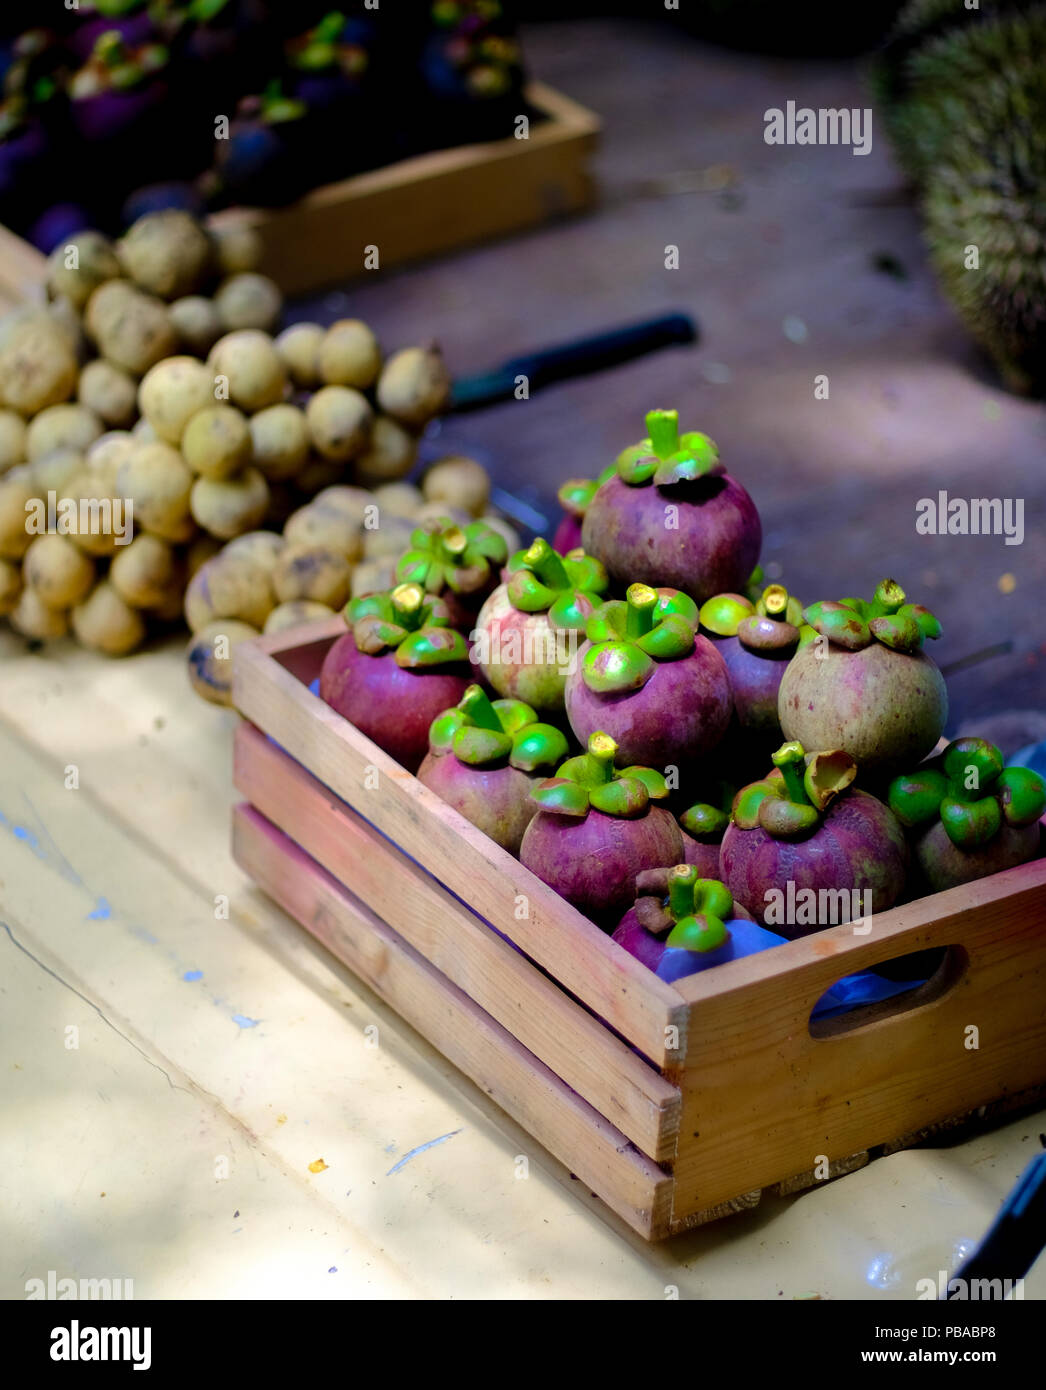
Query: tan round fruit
[[349, 355], [104, 622], [414, 386], [389, 455], [172, 392], [237, 248], [251, 367], [53, 471], [202, 549], [299, 351], [217, 442], [391, 537], [106, 454], [10, 586], [325, 526], [57, 571], [355, 503], [228, 507], [65, 426], [110, 392], [248, 300], [35, 620], [259, 547], [131, 329], [296, 614], [158, 482], [144, 431], [196, 322], [144, 572], [209, 657], [439, 511], [374, 576], [398, 499], [38, 367], [166, 253], [79, 265], [458, 481], [280, 440], [339, 421], [12, 439], [229, 586], [17, 495], [89, 514], [316, 572]]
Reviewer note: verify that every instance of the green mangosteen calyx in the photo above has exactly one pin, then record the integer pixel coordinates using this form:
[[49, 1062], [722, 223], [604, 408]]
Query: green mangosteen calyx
[[590, 781], [629, 638], [479, 732], [854, 623], [691, 911], [576, 493], [768, 626], [568, 588], [666, 457], [970, 792], [792, 799], [707, 821], [459, 558], [410, 623]]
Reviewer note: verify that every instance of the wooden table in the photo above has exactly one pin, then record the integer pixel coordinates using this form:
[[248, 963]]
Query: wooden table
[[212, 1107]]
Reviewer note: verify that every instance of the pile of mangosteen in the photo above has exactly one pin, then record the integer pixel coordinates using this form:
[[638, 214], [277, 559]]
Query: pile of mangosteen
[[673, 745]]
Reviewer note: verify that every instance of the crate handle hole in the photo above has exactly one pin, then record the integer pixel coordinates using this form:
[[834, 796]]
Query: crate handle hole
[[917, 978]]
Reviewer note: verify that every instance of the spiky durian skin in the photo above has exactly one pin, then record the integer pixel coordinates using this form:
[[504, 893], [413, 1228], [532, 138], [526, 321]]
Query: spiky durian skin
[[967, 111]]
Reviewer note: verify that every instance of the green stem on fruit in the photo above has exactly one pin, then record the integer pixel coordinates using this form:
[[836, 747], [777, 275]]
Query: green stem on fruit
[[476, 705], [662, 427], [775, 600], [543, 561], [681, 882], [408, 602], [791, 760], [642, 603], [602, 750]]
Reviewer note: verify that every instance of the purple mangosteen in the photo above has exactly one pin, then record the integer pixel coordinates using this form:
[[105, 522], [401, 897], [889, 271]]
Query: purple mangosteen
[[671, 514], [118, 87], [756, 641], [805, 836], [703, 825], [969, 816], [645, 678], [261, 162], [596, 829], [459, 564], [528, 632], [682, 923], [472, 70], [128, 18], [399, 667], [482, 760], [860, 681], [574, 497]]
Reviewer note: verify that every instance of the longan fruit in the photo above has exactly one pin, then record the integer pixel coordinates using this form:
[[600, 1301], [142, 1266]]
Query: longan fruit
[[217, 442], [458, 481], [374, 576], [209, 657], [106, 454], [280, 440], [65, 426], [131, 329], [38, 367], [316, 572], [172, 392], [166, 253], [202, 549], [356, 503], [12, 439], [259, 547], [339, 420], [79, 265], [104, 622], [51, 472], [58, 572], [398, 499], [349, 355], [34, 619], [237, 248], [248, 300], [251, 366], [16, 491], [229, 586], [144, 572], [102, 516], [295, 614], [299, 351], [228, 507], [389, 455], [157, 480], [325, 526], [10, 586], [110, 392], [414, 386], [196, 322]]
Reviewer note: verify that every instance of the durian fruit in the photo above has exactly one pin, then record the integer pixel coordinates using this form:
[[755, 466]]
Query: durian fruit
[[963, 93]]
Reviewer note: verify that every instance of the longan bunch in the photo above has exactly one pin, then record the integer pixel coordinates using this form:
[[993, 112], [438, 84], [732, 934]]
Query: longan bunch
[[152, 378], [343, 543]]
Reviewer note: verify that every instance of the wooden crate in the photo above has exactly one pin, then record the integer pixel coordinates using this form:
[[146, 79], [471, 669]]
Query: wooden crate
[[675, 1103], [418, 207]]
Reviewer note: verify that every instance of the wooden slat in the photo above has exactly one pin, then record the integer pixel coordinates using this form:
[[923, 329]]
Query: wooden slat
[[432, 202], [585, 1054], [762, 1098], [523, 1087], [583, 959]]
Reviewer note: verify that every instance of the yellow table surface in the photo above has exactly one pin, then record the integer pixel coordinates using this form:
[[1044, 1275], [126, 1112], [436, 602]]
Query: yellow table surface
[[170, 1079]]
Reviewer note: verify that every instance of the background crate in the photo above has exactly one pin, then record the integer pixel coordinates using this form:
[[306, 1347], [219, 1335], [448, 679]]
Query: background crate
[[675, 1103]]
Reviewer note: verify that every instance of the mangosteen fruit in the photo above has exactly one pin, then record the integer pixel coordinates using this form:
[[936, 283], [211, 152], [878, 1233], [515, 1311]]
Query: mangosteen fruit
[[861, 681], [483, 759], [460, 564], [596, 829], [703, 825], [574, 496], [968, 815], [644, 676], [682, 923], [400, 666], [805, 836], [670, 514], [529, 630]]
